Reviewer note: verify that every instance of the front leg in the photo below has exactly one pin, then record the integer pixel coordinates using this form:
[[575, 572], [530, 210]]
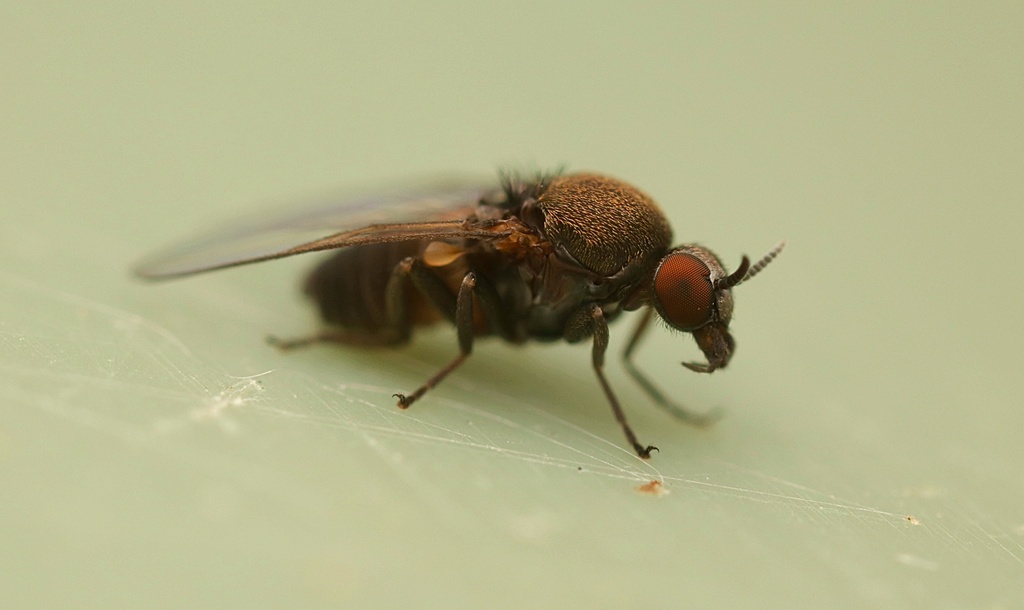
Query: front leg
[[590, 320], [700, 420]]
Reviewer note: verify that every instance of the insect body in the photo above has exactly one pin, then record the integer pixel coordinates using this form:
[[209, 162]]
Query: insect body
[[547, 258]]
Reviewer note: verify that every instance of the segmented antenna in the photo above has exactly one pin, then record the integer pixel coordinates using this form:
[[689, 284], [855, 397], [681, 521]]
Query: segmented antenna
[[761, 264]]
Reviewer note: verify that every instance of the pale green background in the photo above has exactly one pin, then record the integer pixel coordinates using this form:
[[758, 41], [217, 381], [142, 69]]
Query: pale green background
[[877, 380]]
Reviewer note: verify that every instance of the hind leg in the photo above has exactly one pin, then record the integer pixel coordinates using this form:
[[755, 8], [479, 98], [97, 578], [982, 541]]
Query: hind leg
[[458, 309], [398, 329], [336, 335]]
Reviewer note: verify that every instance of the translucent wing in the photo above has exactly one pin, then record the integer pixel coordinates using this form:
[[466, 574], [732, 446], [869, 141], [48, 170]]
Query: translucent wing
[[432, 213]]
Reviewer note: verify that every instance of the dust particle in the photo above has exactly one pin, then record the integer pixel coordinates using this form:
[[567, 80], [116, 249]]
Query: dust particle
[[654, 488]]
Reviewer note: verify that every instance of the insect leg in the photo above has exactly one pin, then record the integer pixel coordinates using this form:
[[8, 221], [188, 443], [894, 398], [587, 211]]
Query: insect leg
[[600, 331], [399, 324], [326, 335], [496, 315], [463, 317], [659, 398]]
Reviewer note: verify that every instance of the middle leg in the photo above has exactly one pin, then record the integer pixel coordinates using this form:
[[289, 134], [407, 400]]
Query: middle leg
[[464, 327]]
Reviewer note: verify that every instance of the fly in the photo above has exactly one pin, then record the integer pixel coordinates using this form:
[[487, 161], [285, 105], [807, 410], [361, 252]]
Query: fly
[[547, 257]]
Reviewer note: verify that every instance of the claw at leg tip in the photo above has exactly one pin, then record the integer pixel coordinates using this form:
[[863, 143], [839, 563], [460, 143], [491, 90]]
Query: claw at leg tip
[[645, 452]]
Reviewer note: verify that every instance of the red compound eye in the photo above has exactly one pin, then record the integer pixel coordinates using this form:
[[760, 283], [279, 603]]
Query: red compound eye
[[683, 288]]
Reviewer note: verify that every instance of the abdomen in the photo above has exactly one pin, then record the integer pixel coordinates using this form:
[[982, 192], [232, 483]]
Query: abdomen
[[350, 287]]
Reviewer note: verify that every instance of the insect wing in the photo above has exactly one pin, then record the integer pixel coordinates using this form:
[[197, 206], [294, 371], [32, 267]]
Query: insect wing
[[434, 213]]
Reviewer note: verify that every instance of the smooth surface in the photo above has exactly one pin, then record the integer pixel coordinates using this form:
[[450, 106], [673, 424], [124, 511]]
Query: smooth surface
[[154, 452]]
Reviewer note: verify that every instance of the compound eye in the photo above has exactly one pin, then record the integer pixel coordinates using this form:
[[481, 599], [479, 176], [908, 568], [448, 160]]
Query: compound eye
[[682, 285]]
